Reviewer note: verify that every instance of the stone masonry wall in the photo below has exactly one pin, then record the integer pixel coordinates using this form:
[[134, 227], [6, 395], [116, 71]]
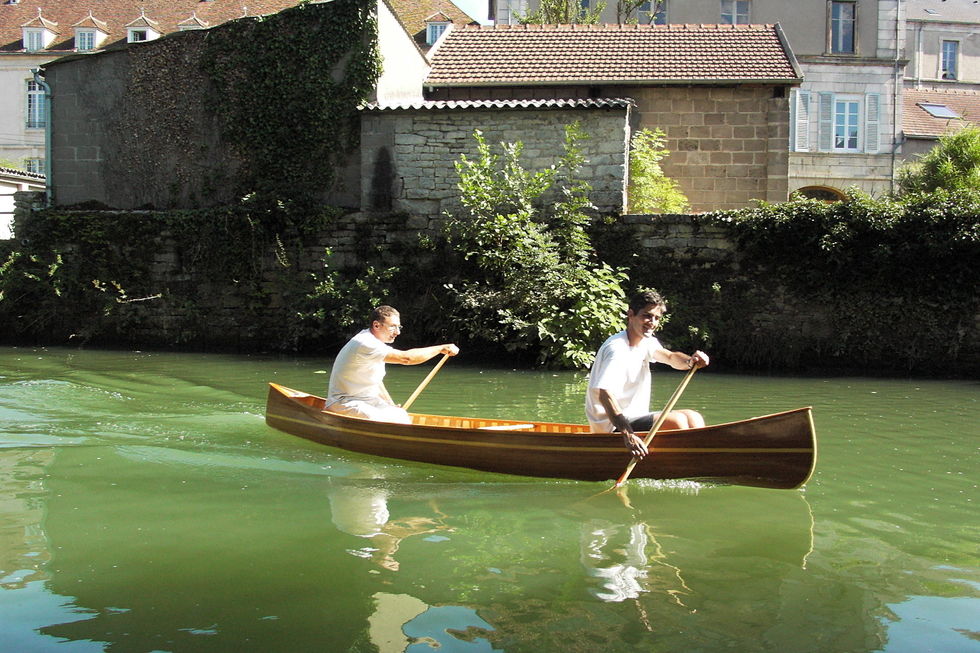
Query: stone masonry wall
[[408, 155]]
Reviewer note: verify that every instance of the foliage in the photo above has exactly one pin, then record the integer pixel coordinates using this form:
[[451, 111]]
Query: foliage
[[650, 191], [96, 276], [954, 165], [533, 281], [626, 7], [285, 89], [895, 278], [563, 12]]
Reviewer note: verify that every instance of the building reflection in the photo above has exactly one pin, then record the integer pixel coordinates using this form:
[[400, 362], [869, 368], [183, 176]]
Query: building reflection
[[23, 546]]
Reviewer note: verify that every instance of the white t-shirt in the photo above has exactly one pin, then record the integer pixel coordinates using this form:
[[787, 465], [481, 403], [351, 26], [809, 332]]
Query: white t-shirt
[[358, 372], [624, 372]]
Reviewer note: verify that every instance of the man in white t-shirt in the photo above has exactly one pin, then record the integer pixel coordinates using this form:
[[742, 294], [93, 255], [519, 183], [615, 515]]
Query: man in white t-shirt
[[357, 377], [618, 398]]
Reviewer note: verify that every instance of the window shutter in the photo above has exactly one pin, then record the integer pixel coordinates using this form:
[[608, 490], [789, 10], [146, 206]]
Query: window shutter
[[801, 126], [825, 142], [872, 135]]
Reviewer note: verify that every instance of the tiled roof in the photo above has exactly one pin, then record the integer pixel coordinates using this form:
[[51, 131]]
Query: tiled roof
[[590, 103], [413, 14], [916, 121], [21, 174], [112, 16], [629, 54]]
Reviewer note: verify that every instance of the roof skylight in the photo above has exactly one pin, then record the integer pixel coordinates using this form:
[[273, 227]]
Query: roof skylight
[[938, 110]]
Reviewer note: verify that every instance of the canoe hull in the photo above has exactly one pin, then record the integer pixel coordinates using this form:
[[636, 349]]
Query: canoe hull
[[774, 451]]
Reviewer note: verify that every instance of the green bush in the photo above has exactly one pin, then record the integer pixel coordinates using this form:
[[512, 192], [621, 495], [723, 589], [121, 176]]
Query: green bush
[[532, 280], [650, 191], [953, 165]]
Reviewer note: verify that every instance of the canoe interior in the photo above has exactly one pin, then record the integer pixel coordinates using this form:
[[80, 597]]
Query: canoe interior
[[773, 451]]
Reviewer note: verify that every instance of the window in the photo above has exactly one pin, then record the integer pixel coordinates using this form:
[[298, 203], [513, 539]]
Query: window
[[433, 31], [822, 193], [842, 27], [36, 104], [846, 125], [137, 35], [951, 50], [735, 12], [938, 110], [33, 40], [34, 165], [84, 40], [653, 12]]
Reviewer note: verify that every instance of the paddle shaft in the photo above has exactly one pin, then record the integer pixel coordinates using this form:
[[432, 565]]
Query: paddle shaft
[[660, 420], [425, 382]]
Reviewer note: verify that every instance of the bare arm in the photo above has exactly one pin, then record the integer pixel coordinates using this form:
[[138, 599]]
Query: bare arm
[[420, 354], [679, 360], [630, 439]]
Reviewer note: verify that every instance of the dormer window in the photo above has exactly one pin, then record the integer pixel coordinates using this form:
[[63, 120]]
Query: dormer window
[[33, 39], [90, 33], [433, 31], [84, 40], [141, 29]]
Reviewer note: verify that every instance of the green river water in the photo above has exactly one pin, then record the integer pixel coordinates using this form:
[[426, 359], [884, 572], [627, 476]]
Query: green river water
[[146, 506]]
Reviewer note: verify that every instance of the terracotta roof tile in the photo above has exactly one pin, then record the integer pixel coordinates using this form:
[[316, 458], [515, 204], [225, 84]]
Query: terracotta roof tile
[[432, 105], [414, 13], [916, 121], [112, 16], [631, 54]]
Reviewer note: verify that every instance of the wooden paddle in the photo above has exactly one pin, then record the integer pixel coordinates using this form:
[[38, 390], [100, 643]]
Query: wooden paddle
[[656, 425], [425, 382]]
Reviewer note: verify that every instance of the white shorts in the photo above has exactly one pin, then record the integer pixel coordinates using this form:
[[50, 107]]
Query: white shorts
[[378, 412]]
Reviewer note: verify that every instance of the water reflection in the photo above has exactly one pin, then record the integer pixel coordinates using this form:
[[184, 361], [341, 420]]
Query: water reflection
[[362, 511]]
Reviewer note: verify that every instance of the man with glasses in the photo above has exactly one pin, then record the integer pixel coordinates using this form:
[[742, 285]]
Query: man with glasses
[[357, 378], [618, 398]]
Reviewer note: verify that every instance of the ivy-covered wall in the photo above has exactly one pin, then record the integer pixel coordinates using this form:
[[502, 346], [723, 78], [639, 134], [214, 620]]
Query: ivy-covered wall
[[807, 288], [264, 106]]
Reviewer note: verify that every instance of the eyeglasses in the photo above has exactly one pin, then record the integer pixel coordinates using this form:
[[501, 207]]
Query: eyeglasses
[[394, 327]]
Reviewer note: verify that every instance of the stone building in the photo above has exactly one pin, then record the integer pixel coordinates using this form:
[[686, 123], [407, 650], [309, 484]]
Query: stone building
[[720, 93]]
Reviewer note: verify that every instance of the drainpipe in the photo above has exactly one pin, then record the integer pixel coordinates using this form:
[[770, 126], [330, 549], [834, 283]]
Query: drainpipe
[[897, 95], [39, 80]]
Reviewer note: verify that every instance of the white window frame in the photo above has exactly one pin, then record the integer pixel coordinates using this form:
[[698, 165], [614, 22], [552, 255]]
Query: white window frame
[[847, 123], [85, 39], [434, 30], [34, 164], [36, 106], [138, 34], [836, 31], [944, 67], [862, 118], [33, 39], [735, 12]]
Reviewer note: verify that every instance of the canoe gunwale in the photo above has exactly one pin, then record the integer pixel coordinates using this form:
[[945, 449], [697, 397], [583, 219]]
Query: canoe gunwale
[[748, 452]]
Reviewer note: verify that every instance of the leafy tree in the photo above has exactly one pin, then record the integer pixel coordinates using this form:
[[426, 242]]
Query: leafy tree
[[563, 12], [625, 8], [954, 164], [535, 281], [650, 191]]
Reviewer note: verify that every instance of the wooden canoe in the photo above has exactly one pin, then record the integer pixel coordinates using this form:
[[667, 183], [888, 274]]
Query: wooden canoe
[[774, 451]]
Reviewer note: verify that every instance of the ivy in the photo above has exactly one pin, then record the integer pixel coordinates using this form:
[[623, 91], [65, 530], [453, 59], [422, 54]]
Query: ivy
[[285, 90]]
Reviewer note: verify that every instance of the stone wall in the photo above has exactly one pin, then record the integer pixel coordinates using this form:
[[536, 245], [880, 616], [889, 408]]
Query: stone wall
[[727, 144], [408, 154]]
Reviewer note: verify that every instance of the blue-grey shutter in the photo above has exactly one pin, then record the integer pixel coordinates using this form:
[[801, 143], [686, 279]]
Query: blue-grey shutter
[[801, 122], [825, 140], [872, 130]]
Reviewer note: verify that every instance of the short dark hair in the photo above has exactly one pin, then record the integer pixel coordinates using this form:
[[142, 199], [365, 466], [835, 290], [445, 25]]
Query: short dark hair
[[643, 297], [382, 313]]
